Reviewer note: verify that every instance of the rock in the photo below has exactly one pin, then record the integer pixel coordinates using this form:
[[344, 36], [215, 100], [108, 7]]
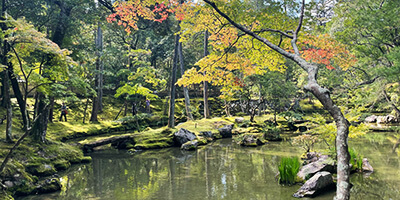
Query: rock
[[366, 167], [371, 119], [388, 119], [190, 145], [183, 136], [320, 182], [239, 120], [311, 157], [303, 128], [249, 141], [226, 131], [9, 184], [49, 185], [207, 134], [324, 163], [292, 127]]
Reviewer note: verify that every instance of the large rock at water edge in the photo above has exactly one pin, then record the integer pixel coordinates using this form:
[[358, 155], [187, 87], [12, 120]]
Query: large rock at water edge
[[182, 136], [388, 119], [226, 131], [319, 183], [324, 163], [190, 145], [371, 119], [366, 167]]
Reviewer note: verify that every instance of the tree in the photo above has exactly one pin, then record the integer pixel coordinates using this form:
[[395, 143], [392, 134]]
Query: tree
[[276, 42]]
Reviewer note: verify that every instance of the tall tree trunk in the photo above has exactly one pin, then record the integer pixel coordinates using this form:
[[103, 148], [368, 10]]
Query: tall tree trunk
[[99, 62], [171, 113], [322, 94], [8, 106], [205, 84], [185, 90], [58, 38], [98, 81]]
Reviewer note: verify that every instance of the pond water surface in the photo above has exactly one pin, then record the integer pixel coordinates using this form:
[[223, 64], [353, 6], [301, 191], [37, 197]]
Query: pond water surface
[[220, 170]]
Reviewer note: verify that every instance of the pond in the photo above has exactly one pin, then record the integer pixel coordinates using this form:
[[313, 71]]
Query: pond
[[220, 170]]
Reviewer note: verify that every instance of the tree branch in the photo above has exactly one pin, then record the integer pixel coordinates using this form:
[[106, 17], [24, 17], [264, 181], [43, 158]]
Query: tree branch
[[295, 34], [251, 33], [276, 31]]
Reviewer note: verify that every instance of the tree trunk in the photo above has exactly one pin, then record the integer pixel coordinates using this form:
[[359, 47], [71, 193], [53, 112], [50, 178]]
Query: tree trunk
[[100, 67], [51, 109], [185, 90], [205, 84], [39, 128], [8, 106], [85, 110], [93, 117], [391, 103], [171, 113]]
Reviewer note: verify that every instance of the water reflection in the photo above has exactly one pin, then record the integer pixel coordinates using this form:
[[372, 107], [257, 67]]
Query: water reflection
[[220, 170]]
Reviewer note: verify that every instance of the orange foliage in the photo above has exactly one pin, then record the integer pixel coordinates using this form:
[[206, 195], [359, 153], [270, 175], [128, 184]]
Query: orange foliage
[[325, 50]]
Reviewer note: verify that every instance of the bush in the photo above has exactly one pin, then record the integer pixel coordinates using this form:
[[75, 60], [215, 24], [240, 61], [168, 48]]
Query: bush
[[288, 169]]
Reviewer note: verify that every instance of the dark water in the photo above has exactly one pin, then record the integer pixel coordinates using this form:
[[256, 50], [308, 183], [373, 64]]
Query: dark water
[[220, 170]]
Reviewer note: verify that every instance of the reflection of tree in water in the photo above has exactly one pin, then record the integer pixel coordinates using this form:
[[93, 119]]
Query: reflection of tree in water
[[373, 187], [220, 170]]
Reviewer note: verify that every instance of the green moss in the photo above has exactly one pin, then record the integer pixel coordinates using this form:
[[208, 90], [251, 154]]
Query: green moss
[[62, 165]]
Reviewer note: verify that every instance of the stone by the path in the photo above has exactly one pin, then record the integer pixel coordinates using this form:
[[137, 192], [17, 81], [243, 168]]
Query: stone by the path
[[182, 136], [239, 120], [320, 182]]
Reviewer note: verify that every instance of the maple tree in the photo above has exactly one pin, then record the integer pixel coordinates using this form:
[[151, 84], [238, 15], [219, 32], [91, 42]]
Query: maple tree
[[243, 47]]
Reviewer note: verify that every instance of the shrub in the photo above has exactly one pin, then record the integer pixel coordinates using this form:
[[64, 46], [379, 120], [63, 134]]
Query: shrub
[[288, 169]]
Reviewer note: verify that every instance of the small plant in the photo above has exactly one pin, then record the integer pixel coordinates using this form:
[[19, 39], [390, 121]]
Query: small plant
[[306, 141], [288, 169], [355, 160]]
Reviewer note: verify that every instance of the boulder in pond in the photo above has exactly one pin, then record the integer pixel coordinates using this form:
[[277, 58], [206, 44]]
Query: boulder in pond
[[371, 119], [366, 167], [182, 136], [324, 163], [320, 182], [252, 140], [388, 119], [190, 145], [226, 131]]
